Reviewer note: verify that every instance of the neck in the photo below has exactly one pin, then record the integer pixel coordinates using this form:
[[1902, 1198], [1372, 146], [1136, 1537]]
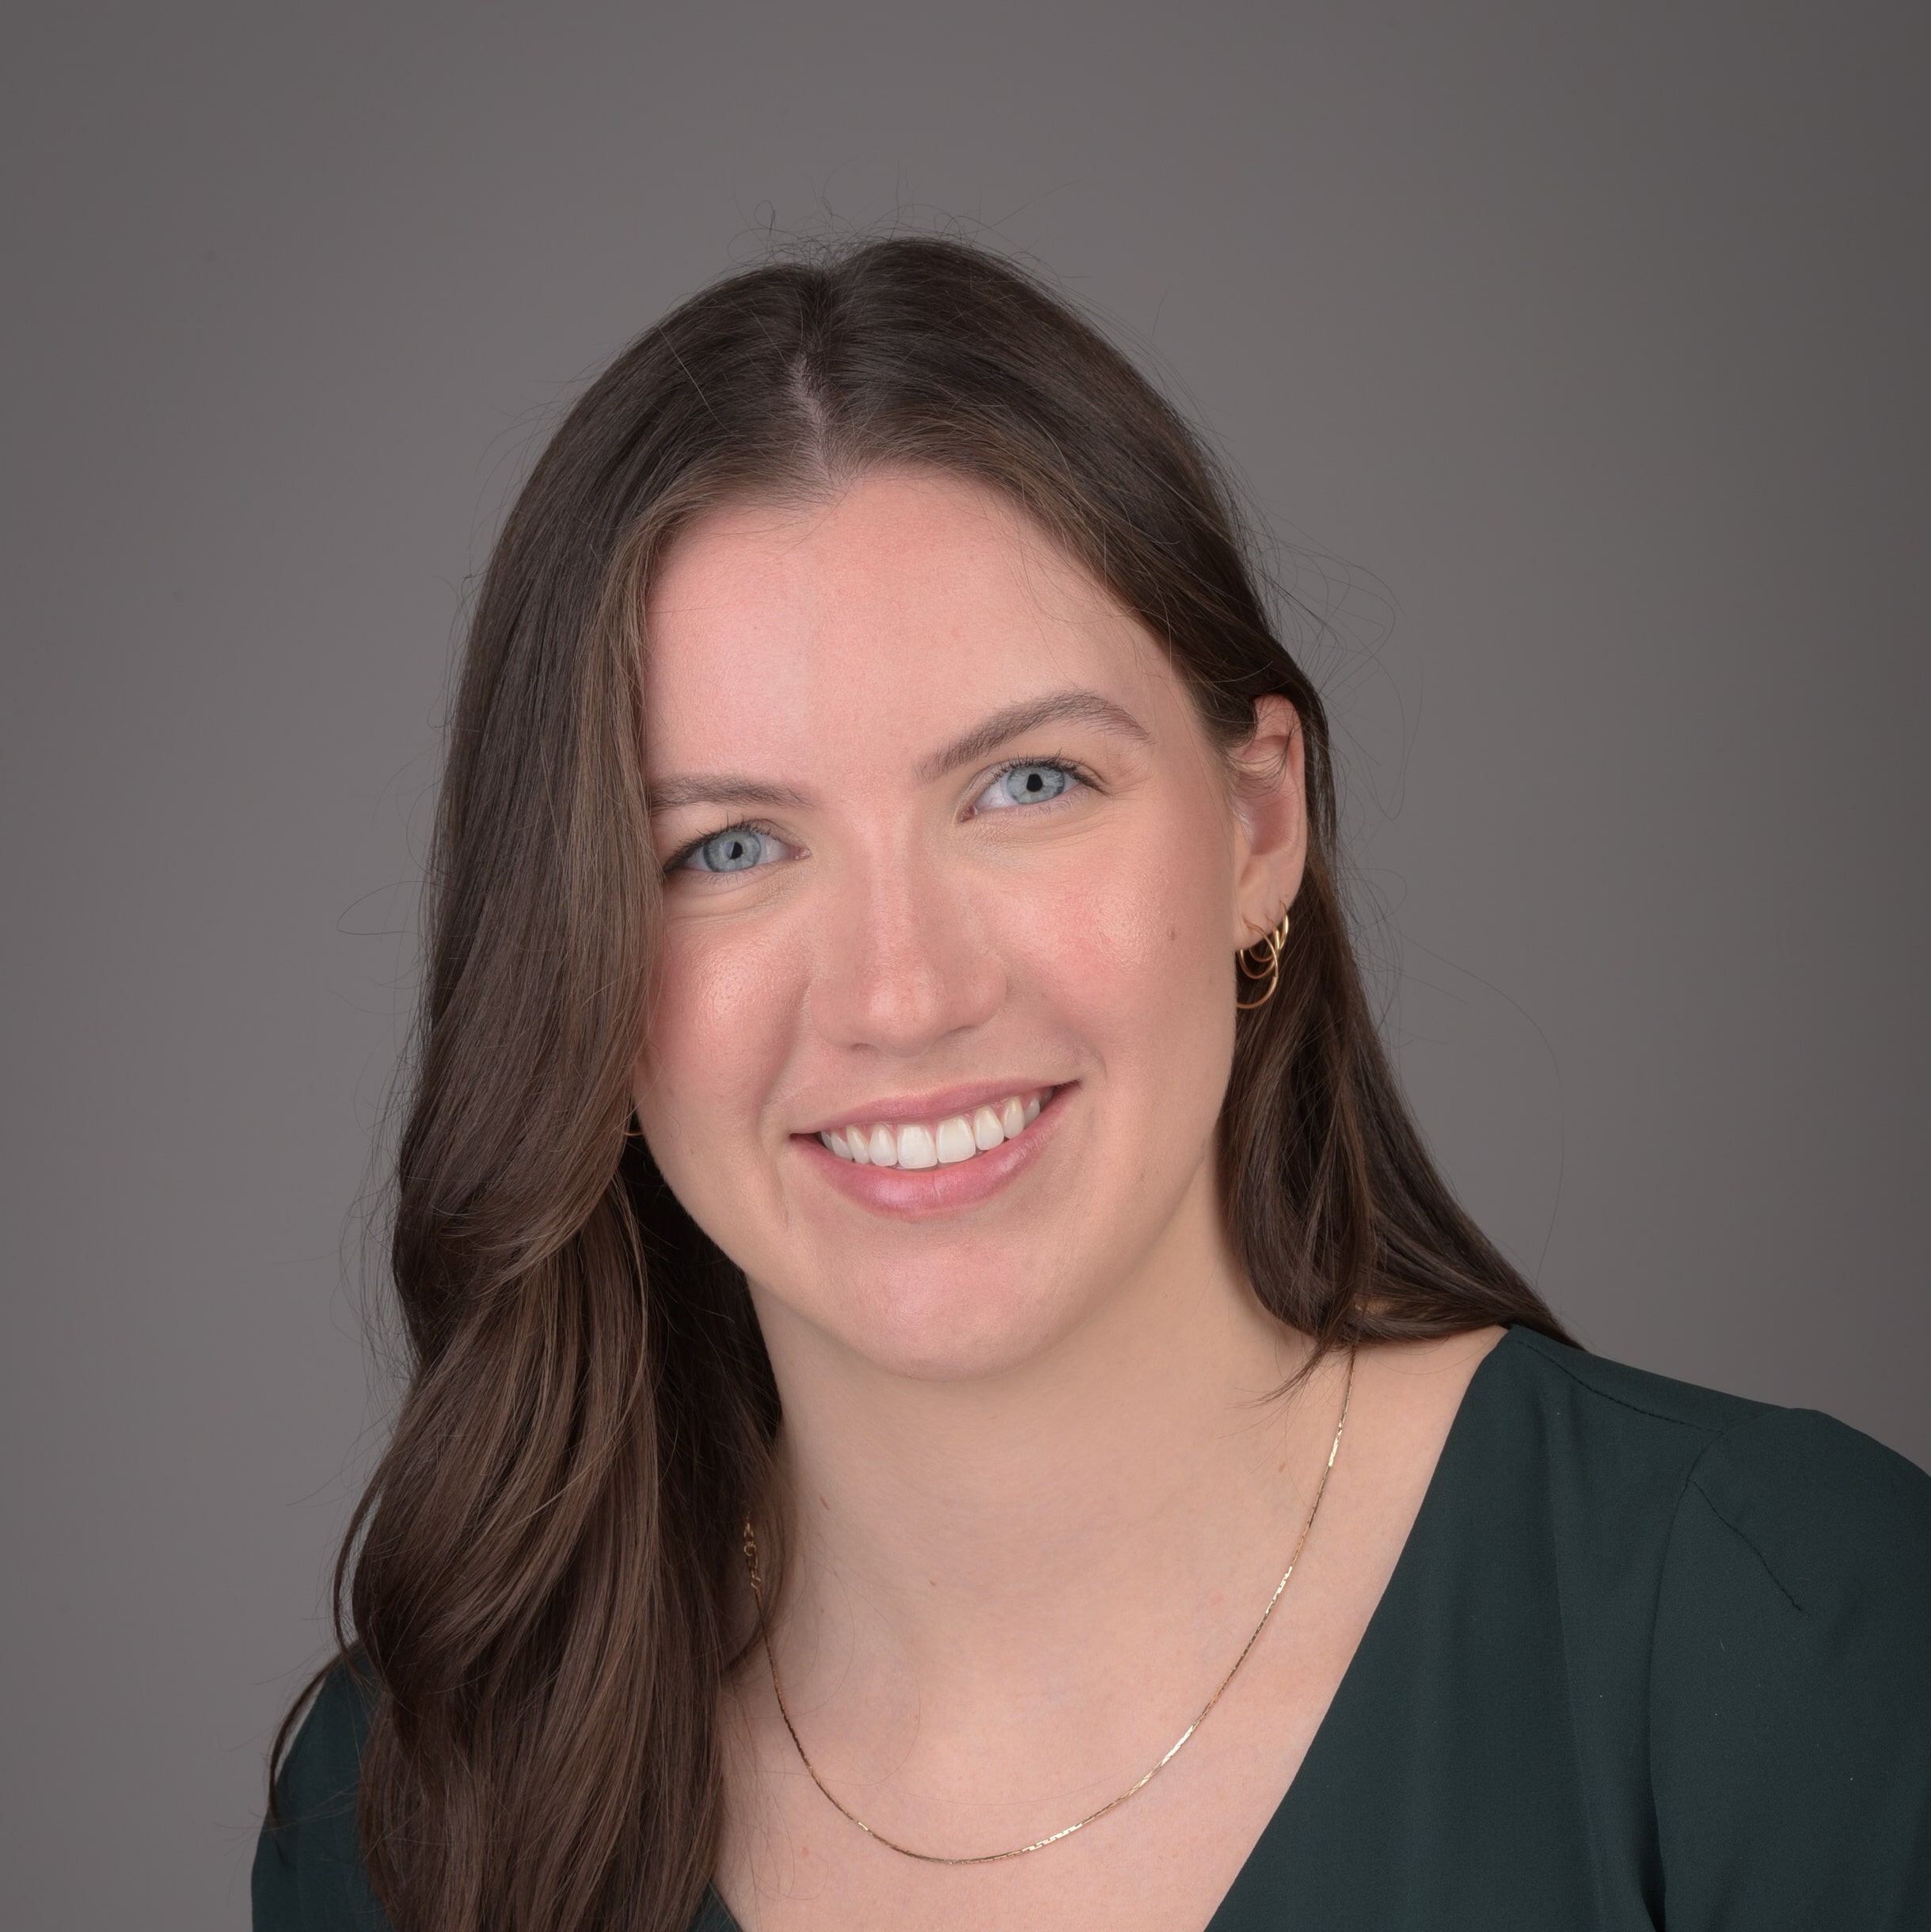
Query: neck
[[1116, 1503]]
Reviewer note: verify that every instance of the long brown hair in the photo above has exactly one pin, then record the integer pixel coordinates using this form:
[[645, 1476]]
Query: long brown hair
[[543, 1573]]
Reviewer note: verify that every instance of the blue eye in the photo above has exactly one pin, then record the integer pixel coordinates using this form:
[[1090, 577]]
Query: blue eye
[[1026, 785], [738, 848]]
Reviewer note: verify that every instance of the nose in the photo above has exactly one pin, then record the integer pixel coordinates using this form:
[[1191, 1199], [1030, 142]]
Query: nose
[[905, 958]]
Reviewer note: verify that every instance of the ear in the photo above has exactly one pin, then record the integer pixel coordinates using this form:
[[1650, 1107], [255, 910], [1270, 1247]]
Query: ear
[[1270, 819]]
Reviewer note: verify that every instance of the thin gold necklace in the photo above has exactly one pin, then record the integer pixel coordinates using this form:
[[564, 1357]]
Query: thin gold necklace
[[1040, 1844]]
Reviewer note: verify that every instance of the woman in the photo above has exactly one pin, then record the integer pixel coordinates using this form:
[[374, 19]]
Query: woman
[[923, 1290]]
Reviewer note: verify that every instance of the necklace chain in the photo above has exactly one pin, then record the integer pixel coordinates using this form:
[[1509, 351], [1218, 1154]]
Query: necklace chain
[[1132, 1790]]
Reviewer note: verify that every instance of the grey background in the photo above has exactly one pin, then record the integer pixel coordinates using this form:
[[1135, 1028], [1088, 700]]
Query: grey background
[[1588, 346]]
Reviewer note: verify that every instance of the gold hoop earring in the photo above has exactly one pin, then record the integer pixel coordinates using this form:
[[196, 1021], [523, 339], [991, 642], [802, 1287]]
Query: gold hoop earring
[[1266, 967]]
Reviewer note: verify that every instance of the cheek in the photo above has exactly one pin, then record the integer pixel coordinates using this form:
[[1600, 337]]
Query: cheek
[[1128, 949], [721, 1027]]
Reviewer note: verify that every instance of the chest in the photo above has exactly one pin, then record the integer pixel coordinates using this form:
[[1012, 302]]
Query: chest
[[1440, 1787], [1163, 1858]]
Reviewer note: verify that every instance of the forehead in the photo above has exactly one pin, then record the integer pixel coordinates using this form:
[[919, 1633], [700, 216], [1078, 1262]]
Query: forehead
[[887, 618]]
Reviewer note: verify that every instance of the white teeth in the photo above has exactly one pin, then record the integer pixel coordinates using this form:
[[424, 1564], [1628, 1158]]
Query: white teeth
[[957, 1137]]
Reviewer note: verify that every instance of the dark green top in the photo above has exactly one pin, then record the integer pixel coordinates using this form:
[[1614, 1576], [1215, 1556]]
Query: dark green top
[[1652, 1656]]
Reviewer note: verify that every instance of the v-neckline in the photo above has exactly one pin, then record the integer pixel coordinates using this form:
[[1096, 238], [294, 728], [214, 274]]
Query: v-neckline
[[1401, 1585], [715, 1915]]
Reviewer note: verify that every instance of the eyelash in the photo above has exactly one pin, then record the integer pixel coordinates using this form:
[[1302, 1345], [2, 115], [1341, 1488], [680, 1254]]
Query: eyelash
[[675, 862], [1075, 772]]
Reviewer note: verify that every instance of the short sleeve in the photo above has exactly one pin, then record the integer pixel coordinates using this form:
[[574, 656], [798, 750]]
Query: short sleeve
[[308, 1874], [1790, 1718]]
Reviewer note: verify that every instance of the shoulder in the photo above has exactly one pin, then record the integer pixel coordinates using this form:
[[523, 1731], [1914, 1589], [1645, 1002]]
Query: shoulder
[[1763, 1577], [1586, 1459], [308, 1872], [1818, 1504], [1613, 1397], [319, 1779], [1790, 1680], [1699, 1480], [1804, 1491]]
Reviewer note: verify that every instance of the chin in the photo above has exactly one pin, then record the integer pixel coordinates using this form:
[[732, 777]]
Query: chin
[[953, 1330]]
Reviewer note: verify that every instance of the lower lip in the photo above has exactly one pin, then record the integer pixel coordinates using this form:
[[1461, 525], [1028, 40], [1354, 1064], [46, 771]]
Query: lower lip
[[910, 1193]]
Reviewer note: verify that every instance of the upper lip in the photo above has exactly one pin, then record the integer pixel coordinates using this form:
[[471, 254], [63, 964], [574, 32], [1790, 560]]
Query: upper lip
[[935, 1104]]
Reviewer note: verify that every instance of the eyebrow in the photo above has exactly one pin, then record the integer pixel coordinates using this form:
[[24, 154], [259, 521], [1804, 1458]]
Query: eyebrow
[[1055, 708], [1029, 714], [723, 788]]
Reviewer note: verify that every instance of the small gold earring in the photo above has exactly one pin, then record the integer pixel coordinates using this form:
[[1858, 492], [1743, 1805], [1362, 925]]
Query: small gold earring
[[1266, 967]]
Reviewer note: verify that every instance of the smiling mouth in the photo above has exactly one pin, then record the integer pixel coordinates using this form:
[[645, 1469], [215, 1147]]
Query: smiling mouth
[[949, 1142]]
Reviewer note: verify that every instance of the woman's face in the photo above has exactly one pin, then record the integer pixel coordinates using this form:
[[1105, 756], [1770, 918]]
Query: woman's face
[[955, 884]]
